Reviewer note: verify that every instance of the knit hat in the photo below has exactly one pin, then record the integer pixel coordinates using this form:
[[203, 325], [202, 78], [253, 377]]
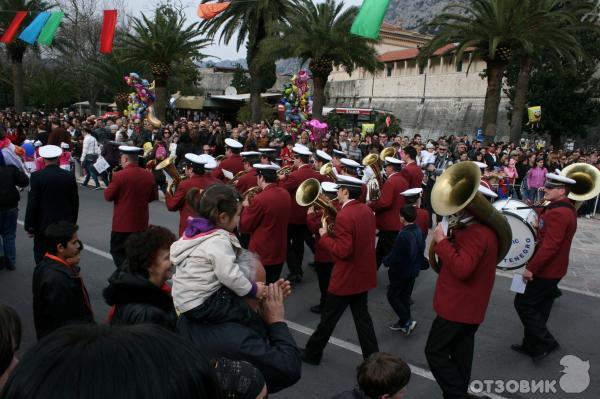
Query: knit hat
[[238, 379]]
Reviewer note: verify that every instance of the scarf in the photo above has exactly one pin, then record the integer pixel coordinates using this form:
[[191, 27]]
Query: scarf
[[197, 226]]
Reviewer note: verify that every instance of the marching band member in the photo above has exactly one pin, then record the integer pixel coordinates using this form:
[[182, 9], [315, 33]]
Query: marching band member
[[411, 172], [321, 158], [131, 190], [337, 160], [462, 294], [233, 161], [297, 230], [387, 207], [195, 170], [323, 258], [350, 167], [354, 272], [265, 218], [557, 225], [484, 179], [248, 180], [267, 155], [412, 197]]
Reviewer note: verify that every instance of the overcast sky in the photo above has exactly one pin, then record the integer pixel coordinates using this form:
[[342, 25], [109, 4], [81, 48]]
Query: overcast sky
[[219, 50]]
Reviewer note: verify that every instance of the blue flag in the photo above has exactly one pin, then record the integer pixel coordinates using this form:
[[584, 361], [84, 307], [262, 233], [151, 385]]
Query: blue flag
[[31, 33]]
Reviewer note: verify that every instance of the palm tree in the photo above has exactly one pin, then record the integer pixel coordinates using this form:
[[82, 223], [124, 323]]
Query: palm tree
[[492, 29], [16, 49], [252, 21], [321, 33], [161, 42], [552, 38]]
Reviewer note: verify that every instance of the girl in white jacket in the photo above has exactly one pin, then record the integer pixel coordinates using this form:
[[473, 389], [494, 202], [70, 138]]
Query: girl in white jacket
[[206, 257]]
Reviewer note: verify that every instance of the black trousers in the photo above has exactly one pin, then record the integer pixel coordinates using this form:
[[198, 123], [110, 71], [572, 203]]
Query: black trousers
[[323, 270], [398, 295], [297, 235], [533, 308], [273, 272], [39, 247], [117, 248], [449, 353], [335, 306], [384, 245]]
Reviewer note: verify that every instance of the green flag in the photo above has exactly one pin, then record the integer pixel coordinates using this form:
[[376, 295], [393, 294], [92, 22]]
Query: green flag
[[369, 19], [49, 30]]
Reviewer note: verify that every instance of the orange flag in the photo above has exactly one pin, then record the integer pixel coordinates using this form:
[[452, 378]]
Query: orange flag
[[211, 10]]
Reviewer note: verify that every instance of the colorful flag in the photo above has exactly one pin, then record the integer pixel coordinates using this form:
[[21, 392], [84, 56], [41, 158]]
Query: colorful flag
[[369, 19], [109, 23], [10, 32], [50, 28], [31, 33]]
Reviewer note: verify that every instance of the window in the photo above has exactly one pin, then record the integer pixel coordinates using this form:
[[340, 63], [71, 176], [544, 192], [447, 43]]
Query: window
[[421, 69], [388, 69]]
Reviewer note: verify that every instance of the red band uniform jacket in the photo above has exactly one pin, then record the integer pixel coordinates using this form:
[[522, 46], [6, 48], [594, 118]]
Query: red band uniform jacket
[[557, 225], [131, 189], [353, 250], [387, 207], [413, 175], [291, 183], [313, 222], [247, 181], [464, 286], [234, 164], [422, 221], [266, 220], [176, 202]]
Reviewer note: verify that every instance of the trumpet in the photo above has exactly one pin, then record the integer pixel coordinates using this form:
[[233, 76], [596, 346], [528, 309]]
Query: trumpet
[[327, 170], [286, 170], [310, 193]]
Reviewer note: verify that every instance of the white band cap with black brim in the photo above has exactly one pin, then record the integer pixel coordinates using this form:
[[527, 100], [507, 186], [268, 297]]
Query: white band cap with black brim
[[554, 180], [128, 149], [50, 151], [233, 143], [322, 155]]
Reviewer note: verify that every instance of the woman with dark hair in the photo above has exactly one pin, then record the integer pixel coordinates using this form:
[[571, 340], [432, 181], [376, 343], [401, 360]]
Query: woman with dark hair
[[124, 362], [140, 294], [10, 340]]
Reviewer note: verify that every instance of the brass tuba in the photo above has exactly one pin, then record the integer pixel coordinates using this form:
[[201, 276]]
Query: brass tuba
[[309, 193], [150, 117], [169, 168], [587, 181], [457, 189], [327, 170], [372, 160]]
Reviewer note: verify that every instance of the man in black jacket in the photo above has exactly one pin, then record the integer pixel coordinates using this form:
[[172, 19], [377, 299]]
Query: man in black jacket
[[52, 197], [59, 295], [10, 178]]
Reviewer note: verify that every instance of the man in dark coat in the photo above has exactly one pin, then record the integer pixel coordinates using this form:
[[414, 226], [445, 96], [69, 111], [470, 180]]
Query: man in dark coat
[[11, 177], [59, 295], [52, 197]]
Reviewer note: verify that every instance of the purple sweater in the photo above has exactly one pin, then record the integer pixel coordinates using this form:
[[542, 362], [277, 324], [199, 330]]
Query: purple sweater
[[536, 177]]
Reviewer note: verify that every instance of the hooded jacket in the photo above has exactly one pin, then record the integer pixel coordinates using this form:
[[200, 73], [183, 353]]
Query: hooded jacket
[[203, 264]]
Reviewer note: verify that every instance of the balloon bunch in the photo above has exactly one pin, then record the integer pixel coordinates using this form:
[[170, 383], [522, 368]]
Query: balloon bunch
[[143, 97], [296, 99], [318, 129]]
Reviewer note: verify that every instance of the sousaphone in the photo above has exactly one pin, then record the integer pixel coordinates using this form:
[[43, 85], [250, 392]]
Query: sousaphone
[[457, 190]]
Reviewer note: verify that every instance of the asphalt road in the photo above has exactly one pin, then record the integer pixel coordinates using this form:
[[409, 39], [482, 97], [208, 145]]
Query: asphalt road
[[574, 320]]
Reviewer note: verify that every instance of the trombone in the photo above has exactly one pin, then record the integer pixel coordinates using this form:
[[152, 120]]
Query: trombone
[[310, 193]]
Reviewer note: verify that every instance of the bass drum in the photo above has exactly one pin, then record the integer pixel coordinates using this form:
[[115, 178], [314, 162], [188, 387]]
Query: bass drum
[[523, 224]]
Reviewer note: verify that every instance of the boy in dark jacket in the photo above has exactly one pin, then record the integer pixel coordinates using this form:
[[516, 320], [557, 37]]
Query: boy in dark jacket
[[404, 262], [59, 295]]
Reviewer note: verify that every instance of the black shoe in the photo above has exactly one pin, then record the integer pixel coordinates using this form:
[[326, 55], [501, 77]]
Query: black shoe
[[294, 278], [316, 309], [557, 293], [309, 360], [521, 349], [542, 355]]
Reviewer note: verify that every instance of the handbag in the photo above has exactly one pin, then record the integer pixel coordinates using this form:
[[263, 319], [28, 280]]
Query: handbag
[[93, 157]]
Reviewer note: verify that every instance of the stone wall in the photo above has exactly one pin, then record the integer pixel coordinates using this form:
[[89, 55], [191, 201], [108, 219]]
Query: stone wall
[[431, 105]]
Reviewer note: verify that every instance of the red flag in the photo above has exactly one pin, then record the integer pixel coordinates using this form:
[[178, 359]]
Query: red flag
[[107, 35], [10, 32]]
